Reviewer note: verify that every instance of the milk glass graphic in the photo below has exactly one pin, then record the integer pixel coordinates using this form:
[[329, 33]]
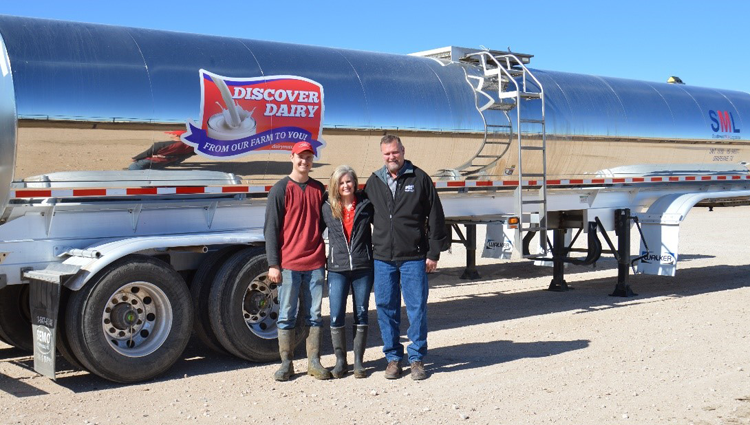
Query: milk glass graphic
[[233, 122]]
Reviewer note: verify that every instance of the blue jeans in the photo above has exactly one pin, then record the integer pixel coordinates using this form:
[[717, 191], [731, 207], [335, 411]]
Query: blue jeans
[[360, 282], [392, 280], [309, 284]]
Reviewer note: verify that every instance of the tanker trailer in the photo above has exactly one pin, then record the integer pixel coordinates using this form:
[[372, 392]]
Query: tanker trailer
[[136, 163]]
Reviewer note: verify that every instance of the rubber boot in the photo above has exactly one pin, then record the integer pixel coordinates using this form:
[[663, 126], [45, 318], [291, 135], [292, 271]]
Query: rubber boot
[[286, 351], [360, 342], [338, 339], [314, 368]]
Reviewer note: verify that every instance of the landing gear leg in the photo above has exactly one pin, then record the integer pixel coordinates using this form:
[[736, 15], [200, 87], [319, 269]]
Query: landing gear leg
[[622, 229], [559, 253], [470, 243]]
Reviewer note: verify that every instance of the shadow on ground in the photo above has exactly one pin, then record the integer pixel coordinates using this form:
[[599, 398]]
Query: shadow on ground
[[484, 304]]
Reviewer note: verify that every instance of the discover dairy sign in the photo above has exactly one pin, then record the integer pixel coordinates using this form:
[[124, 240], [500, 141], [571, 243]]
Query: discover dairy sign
[[240, 116]]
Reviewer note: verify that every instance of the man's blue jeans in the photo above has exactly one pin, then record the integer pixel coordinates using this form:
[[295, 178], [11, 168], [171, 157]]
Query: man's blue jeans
[[309, 285], [392, 280], [360, 281]]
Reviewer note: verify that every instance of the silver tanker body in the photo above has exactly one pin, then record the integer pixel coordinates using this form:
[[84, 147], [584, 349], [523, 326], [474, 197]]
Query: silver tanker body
[[82, 104], [93, 96]]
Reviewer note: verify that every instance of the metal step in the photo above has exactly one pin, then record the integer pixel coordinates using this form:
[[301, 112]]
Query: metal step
[[492, 72], [532, 148], [502, 106], [521, 94], [529, 121]]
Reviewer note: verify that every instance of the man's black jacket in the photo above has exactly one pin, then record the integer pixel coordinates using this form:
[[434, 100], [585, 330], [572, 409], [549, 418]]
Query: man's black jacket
[[411, 225]]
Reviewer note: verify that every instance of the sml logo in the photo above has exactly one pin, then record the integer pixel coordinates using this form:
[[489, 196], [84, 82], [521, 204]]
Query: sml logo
[[668, 258], [723, 122]]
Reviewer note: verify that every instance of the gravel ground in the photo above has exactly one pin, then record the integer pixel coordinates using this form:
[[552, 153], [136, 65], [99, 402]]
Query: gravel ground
[[503, 350]]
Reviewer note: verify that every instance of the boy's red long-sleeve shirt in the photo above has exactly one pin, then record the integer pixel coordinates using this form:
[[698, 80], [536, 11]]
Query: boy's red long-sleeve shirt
[[293, 230]]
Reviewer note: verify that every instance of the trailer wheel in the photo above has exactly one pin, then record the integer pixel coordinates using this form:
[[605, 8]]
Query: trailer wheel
[[15, 319], [244, 307], [62, 344], [200, 289], [132, 321]]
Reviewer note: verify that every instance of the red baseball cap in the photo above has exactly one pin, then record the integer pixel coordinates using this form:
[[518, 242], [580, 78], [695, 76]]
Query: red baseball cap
[[176, 132], [300, 147]]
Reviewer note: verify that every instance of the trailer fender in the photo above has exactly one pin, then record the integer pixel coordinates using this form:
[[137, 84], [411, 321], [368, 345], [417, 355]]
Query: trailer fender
[[661, 227], [96, 257]]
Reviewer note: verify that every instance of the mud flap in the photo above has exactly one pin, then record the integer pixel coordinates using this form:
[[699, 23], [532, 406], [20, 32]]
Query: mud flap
[[44, 299], [44, 303], [498, 242], [662, 233]]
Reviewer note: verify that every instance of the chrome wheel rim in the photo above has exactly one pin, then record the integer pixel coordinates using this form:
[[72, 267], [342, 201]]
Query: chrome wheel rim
[[260, 307], [137, 319]]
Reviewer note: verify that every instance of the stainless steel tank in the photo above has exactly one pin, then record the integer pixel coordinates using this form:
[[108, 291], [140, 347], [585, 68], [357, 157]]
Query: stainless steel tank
[[87, 97]]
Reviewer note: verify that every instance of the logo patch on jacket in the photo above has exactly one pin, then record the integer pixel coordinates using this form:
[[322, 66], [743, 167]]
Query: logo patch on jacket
[[409, 188]]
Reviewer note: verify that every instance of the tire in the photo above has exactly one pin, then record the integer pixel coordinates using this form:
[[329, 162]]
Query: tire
[[15, 319], [61, 342], [200, 290], [132, 321], [244, 306]]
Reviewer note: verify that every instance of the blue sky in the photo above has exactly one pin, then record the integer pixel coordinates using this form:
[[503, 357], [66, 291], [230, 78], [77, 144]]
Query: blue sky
[[702, 42]]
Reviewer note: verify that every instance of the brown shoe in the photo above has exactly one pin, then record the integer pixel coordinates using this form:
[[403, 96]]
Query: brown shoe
[[393, 370], [417, 371]]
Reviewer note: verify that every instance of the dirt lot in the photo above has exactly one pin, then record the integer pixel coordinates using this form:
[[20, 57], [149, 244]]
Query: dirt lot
[[502, 350]]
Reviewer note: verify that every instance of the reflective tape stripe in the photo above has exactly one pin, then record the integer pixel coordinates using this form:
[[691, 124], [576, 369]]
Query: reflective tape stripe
[[239, 189]]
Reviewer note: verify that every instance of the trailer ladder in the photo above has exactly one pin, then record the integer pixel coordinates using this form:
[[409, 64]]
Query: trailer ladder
[[516, 84]]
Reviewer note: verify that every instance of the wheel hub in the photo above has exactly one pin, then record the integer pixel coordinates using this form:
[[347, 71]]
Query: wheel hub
[[123, 316], [256, 302]]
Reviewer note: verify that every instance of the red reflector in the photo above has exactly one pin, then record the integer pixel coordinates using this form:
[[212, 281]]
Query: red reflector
[[238, 189], [90, 192], [141, 191], [33, 193], [190, 189]]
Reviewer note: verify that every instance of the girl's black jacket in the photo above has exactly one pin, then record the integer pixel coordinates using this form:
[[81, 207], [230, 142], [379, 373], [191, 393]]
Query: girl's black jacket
[[357, 255]]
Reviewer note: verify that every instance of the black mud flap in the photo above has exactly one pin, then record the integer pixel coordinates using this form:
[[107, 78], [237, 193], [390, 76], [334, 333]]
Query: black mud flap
[[44, 305]]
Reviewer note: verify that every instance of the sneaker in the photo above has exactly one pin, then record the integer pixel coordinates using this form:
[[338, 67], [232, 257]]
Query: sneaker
[[417, 371], [393, 370]]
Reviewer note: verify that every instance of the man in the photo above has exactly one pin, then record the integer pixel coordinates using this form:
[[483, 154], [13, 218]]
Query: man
[[163, 154], [296, 258], [408, 234]]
